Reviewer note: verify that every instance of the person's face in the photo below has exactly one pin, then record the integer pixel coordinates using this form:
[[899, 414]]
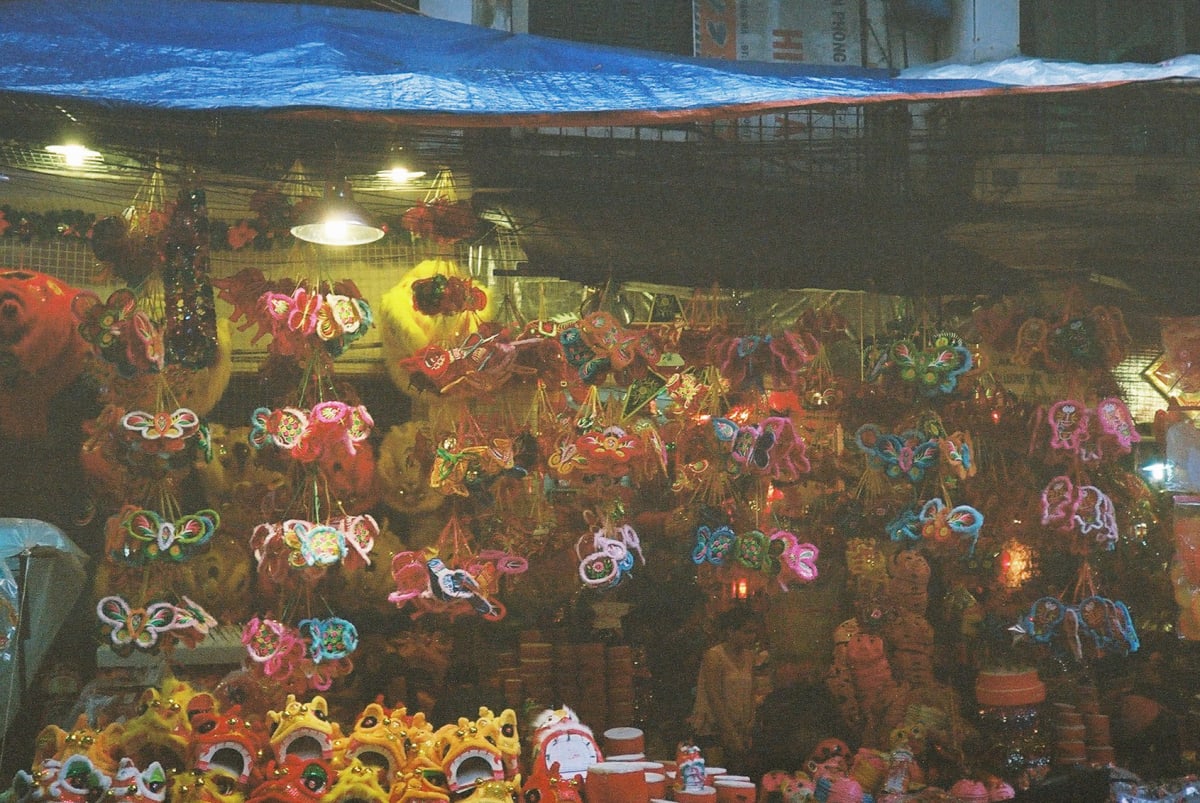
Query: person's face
[[744, 636]]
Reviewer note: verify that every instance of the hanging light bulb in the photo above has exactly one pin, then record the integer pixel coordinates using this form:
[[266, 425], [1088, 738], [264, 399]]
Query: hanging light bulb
[[74, 154], [337, 220], [396, 172]]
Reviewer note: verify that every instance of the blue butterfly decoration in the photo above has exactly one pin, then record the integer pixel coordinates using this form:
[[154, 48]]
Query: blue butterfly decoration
[[963, 520], [713, 545], [933, 372], [331, 638], [905, 527], [904, 456]]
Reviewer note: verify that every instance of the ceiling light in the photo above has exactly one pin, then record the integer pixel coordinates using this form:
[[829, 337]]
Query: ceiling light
[[73, 154], [337, 220]]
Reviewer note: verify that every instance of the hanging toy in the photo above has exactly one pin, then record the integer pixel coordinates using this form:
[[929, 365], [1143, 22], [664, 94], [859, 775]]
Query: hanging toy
[[190, 319]]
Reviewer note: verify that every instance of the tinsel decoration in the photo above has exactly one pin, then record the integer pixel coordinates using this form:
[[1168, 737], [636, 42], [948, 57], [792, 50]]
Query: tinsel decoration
[[190, 325]]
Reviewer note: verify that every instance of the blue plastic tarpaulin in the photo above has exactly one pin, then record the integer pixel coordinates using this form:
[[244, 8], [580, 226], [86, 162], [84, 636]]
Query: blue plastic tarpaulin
[[307, 59]]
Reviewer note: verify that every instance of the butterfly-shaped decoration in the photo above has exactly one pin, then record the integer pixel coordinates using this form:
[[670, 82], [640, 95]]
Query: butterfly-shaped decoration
[[798, 560], [565, 458], [772, 447], [103, 323], [313, 544], [296, 312], [359, 533], [329, 639], [752, 447], [283, 428], [940, 523], [269, 642], [935, 372], [175, 425], [904, 456], [190, 614], [167, 539], [335, 421], [713, 544], [753, 550], [135, 627], [906, 526], [958, 451]]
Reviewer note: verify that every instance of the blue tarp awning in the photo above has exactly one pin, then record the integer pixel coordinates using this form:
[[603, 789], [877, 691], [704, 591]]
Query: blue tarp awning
[[307, 59]]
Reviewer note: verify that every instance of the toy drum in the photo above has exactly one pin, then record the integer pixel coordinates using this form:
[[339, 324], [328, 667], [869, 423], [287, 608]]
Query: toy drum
[[616, 782], [656, 783], [706, 795], [624, 742], [735, 791]]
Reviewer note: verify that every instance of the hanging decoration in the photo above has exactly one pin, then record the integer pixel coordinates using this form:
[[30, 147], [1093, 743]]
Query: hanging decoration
[[935, 372], [189, 307], [441, 217], [453, 577], [301, 319], [607, 553]]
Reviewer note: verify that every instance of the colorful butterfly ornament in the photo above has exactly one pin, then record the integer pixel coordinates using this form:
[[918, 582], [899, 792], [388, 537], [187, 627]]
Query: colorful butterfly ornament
[[282, 428], [124, 335], [905, 456], [713, 544], [772, 447], [329, 639], [163, 434], [135, 627], [934, 373], [612, 556], [143, 628], [940, 522], [313, 544], [798, 560], [754, 551], [958, 453], [165, 539], [273, 645], [906, 526]]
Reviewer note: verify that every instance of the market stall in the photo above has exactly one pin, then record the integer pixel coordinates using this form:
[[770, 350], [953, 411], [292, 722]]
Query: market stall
[[394, 517]]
